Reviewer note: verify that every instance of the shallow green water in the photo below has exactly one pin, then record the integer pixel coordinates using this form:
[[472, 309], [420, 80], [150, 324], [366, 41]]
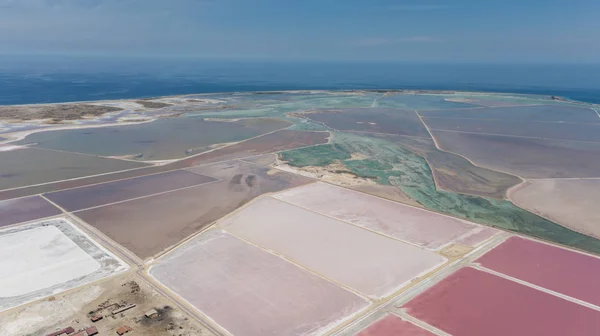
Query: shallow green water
[[289, 103]]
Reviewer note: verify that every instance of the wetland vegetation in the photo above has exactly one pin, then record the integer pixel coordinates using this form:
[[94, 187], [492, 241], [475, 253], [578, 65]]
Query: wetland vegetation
[[390, 164]]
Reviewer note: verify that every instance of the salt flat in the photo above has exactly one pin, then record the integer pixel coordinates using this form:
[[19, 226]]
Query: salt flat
[[149, 225], [368, 262], [49, 257], [46, 257], [251, 292], [572, 203], [408, 223]]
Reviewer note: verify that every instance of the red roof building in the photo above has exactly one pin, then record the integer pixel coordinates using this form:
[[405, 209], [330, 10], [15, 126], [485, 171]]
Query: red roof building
[[91, 331], [122, 330]]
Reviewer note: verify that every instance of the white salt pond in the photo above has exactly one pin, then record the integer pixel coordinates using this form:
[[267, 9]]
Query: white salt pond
[[46, 257]]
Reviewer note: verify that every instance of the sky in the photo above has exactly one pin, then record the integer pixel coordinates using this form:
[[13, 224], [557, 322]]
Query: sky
[[507, 31]]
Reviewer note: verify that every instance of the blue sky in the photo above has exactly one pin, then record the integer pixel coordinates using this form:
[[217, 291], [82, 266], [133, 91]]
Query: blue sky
[[425, 31]]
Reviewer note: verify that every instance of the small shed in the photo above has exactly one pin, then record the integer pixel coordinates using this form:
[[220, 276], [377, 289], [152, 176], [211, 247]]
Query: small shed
[[91, 331], [96, 317], [151, 314], [122, 330]]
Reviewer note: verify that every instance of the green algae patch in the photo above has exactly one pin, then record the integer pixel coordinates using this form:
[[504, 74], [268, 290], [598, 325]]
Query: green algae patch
[[388, 163], [452, 172], [321, 155], [372, 169]]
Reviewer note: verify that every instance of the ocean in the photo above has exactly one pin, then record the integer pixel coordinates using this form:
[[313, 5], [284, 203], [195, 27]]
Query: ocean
[[50, 79]]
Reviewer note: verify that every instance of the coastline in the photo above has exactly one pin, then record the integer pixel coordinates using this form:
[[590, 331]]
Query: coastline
[[43, 126], [548, 97]]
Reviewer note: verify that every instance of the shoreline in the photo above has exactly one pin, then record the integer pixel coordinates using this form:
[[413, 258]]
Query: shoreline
[[20, 135], [548, 97], [11, 137]]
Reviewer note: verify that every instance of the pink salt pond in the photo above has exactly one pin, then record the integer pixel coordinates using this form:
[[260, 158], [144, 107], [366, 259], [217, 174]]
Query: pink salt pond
[[567, 272], [249, 291], [393, 325], [404, 222], [472, 302]]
